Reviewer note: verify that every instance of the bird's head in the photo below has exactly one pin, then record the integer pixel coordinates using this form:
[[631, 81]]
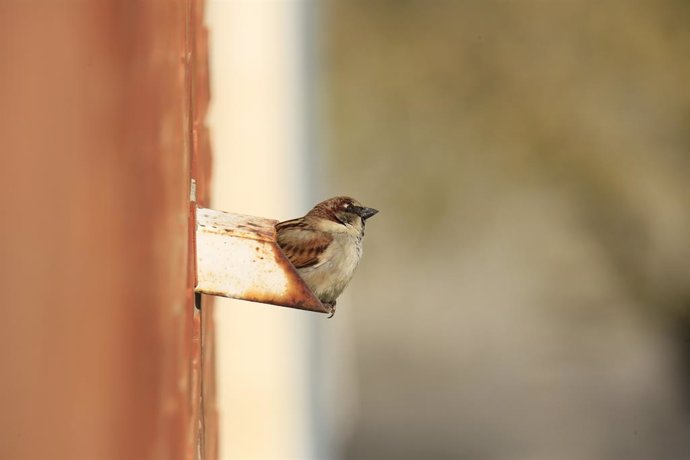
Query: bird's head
[[343, 210]]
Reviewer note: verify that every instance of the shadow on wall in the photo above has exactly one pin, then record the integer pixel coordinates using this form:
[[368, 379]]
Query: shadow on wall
[[526, 289]]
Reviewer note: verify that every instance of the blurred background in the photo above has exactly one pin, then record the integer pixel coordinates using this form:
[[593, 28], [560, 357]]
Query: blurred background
[[525, 289]]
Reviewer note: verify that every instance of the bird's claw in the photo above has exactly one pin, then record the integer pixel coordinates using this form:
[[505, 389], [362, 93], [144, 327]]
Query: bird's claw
[[331, 309]]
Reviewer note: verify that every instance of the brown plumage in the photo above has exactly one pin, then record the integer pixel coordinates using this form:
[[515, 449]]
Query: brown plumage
[[306, 251], [325, 245]]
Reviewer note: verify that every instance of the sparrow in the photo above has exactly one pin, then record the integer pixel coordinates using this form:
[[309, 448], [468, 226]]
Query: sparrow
[[325, 246]]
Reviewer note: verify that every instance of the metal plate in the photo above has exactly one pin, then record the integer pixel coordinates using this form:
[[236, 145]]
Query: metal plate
[[238, 257]]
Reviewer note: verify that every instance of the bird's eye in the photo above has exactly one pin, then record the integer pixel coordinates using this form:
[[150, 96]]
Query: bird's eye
[[346, 205]]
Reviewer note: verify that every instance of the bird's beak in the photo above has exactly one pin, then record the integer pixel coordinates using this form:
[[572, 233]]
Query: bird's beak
[[366, 213]]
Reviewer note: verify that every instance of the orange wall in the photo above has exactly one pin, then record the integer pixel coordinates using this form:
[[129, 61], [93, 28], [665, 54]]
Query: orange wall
[[102, 129]]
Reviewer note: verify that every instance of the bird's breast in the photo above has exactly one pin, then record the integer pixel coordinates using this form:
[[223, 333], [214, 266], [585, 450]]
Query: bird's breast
[[328, 279]]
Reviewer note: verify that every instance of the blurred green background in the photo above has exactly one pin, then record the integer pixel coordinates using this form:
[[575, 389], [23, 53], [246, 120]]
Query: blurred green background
[[525, 289]]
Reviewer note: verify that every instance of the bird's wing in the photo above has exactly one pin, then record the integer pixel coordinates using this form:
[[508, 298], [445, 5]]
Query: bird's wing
[[302, 245]]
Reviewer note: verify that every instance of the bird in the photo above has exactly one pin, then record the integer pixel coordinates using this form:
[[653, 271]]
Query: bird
[[325, 246]]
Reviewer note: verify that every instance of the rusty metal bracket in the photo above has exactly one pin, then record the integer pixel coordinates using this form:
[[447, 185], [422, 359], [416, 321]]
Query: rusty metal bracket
[[238, 257]]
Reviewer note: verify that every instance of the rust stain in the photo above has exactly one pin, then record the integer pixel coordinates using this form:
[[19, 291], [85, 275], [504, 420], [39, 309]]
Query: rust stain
[[297, 292], [296, 295], [251, 227]]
